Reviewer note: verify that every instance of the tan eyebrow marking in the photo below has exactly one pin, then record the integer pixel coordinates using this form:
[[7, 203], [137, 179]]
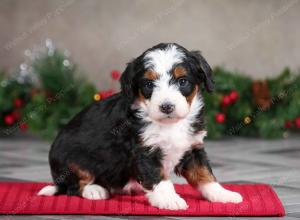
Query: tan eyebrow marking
[[151, 75], [179, 71]]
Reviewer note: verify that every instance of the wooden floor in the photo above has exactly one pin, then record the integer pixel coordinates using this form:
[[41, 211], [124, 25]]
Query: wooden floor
[[275, 162]]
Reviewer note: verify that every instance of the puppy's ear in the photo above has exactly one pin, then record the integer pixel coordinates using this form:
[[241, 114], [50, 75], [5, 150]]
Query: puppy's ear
[[204, 70], [127, 81]]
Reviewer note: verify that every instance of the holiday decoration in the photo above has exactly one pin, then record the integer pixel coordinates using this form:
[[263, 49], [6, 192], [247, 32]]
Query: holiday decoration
[[103, 94], [288, 124], [261, 94], [9, 119], [115, 74], [106, 93], [23, 126], [13, 96], [226, 100], [59, 94], [253, 108], [297, 122], [97, 97], [230, 98], [247, 120], [48, 90], [220, 118], [233, 96], [18, 103]]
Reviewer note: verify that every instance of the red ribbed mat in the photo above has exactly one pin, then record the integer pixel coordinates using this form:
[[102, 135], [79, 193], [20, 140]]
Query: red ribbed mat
[[21, 198]]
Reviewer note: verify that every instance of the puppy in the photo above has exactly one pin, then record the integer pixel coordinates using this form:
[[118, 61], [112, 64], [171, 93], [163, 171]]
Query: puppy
[[133, 140]]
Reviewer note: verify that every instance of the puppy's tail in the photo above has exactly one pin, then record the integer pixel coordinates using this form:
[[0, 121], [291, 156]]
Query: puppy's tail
[[48, 191]]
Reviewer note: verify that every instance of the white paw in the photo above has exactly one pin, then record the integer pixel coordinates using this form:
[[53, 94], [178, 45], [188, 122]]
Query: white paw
[[225, 196], [214, 192], [48, 191], [164, 197], [172, 202], [94, 192]]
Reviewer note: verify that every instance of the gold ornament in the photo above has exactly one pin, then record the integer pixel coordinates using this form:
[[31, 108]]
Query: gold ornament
[[97, 97], [247, 120]]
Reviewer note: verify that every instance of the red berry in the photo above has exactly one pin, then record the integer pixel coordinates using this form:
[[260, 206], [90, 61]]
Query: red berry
[[220, 118], [226, 100], [23, 126], [9, 119], [106, 93], [18, 103], [288, 124], [115, 74], [297, 122], [233, 95]]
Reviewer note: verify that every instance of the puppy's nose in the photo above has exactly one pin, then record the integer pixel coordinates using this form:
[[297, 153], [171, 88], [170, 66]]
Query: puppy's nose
[[167, 108]]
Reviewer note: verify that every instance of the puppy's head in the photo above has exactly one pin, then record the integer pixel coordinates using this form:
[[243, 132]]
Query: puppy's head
[[165, 81]]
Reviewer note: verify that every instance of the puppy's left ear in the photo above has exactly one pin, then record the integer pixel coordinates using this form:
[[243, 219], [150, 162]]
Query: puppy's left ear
[[204, 70], [127, 81]]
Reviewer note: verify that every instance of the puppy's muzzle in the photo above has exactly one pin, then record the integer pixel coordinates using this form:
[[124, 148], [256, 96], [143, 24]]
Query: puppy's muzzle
[[167, 108]]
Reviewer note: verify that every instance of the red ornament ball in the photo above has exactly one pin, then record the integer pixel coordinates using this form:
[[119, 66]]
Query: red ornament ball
[[9, 119], [288, 124], [115, 74], [297, 122], [106, 93], [23, 126], [226, 100], [220, 118], [18, 103], [233, 95]]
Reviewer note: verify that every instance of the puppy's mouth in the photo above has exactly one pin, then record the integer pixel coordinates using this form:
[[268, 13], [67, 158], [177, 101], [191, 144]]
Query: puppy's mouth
[[169, 119]]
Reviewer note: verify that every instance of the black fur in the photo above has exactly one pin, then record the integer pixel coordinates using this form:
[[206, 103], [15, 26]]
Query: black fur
[[96, 141], [194, 157], [103, 138]]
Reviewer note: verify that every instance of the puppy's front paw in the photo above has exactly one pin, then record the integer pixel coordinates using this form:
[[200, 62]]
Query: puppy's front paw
[[171, 202], [164, 197], [234, 197], [214, 192], [94, 192], [225, 196]]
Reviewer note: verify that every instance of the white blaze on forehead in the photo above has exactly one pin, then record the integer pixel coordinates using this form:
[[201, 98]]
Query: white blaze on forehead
[[162, 60]]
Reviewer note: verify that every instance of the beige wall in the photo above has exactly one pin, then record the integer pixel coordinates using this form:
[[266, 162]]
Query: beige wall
[[257, 37]]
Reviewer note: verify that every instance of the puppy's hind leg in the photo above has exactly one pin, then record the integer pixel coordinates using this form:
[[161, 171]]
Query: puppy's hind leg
[[48, 191], [87, 188]]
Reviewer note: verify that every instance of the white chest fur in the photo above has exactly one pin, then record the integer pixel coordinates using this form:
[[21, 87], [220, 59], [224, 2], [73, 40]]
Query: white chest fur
[[173, 139]]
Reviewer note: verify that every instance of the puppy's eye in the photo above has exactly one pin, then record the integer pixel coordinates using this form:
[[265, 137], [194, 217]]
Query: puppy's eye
[[147, 88], [149, 84], [183, 82]]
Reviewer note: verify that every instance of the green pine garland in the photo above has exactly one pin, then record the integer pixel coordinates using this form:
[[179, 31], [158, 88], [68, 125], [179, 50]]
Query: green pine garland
[[61, 95], [13, 96], [245, 117], [61, 92]]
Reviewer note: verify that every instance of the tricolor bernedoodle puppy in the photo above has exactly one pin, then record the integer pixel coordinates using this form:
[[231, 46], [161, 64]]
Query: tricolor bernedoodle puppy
[[133, 140]]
